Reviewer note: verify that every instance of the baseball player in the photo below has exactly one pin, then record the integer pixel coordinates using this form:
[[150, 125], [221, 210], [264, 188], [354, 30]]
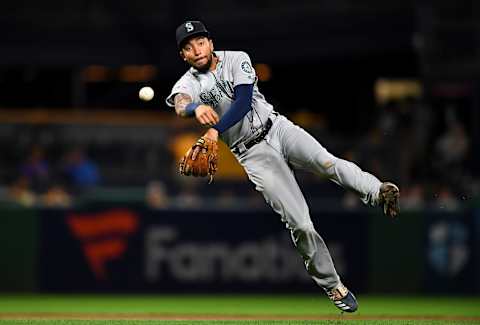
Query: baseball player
[[220, 91]]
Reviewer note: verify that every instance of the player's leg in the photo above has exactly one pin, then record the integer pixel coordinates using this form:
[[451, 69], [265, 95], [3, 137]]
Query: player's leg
[[272, 176], [305, 152], [340, 295]]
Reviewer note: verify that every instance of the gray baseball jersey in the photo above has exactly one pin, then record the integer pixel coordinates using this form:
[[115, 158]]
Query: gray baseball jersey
[[270, 164], [215, 88]]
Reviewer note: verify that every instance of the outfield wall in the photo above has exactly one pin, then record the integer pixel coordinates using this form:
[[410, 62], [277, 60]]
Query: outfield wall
[[129, 248]]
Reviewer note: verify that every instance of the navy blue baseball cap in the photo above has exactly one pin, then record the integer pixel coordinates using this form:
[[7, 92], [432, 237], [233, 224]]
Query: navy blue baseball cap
[[189, 29]]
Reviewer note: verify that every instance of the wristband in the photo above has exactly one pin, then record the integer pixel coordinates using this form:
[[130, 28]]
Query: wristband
[[190, 109]]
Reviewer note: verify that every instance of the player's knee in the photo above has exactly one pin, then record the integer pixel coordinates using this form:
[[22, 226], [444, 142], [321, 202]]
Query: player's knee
[[324, 164], [303, 236]]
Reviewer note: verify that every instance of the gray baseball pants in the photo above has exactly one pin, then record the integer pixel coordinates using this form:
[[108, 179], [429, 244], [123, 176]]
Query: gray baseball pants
[[270, 166]]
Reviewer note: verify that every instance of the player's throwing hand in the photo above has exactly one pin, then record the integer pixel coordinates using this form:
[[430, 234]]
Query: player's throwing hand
[[206, 116]]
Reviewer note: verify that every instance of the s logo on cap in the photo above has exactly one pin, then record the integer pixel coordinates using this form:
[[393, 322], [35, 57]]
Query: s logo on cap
[[189, 27]]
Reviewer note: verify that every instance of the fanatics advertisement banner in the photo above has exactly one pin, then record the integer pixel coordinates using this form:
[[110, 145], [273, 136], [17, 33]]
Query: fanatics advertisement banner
[[133, 249]]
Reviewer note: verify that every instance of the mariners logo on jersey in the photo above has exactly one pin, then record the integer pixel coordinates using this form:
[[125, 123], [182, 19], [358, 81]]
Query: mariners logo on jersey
[[220, 90], [247, 69]]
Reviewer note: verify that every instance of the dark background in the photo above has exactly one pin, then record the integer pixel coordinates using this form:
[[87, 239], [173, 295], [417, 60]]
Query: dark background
[[324, 55]]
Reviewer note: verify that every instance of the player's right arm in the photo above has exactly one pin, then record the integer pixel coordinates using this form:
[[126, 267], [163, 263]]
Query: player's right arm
[[185, 107]]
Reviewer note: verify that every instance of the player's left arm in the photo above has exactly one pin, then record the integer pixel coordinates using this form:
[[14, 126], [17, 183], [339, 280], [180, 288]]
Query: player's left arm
[[244, 78], [241, 105], [239, 108]]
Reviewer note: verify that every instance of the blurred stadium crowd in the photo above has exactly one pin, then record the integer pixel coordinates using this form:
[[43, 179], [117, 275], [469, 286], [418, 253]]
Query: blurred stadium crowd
[[64, 163]]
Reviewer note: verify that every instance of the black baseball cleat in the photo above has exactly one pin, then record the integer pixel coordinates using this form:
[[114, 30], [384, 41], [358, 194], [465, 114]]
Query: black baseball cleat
[[388, 199], [343, 299]]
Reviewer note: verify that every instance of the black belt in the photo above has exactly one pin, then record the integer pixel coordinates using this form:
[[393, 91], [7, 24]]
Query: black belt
[[250, 143]]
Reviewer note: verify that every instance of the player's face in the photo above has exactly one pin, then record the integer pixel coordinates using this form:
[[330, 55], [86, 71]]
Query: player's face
[[198, 52]]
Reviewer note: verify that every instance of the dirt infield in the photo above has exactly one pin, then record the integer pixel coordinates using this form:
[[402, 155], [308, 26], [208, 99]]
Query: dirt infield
[[186, 317]]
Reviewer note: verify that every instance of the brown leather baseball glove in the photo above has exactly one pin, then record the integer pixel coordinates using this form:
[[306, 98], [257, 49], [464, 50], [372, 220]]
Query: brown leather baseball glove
[[201, 159]]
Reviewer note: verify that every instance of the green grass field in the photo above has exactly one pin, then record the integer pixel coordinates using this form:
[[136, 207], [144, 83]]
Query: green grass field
[[227, 309]]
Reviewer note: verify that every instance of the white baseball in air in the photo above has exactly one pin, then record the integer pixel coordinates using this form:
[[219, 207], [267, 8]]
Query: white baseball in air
[[146, 93]]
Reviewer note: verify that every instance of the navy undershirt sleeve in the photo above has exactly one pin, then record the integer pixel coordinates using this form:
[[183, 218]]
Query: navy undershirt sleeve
[[241, 105]]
